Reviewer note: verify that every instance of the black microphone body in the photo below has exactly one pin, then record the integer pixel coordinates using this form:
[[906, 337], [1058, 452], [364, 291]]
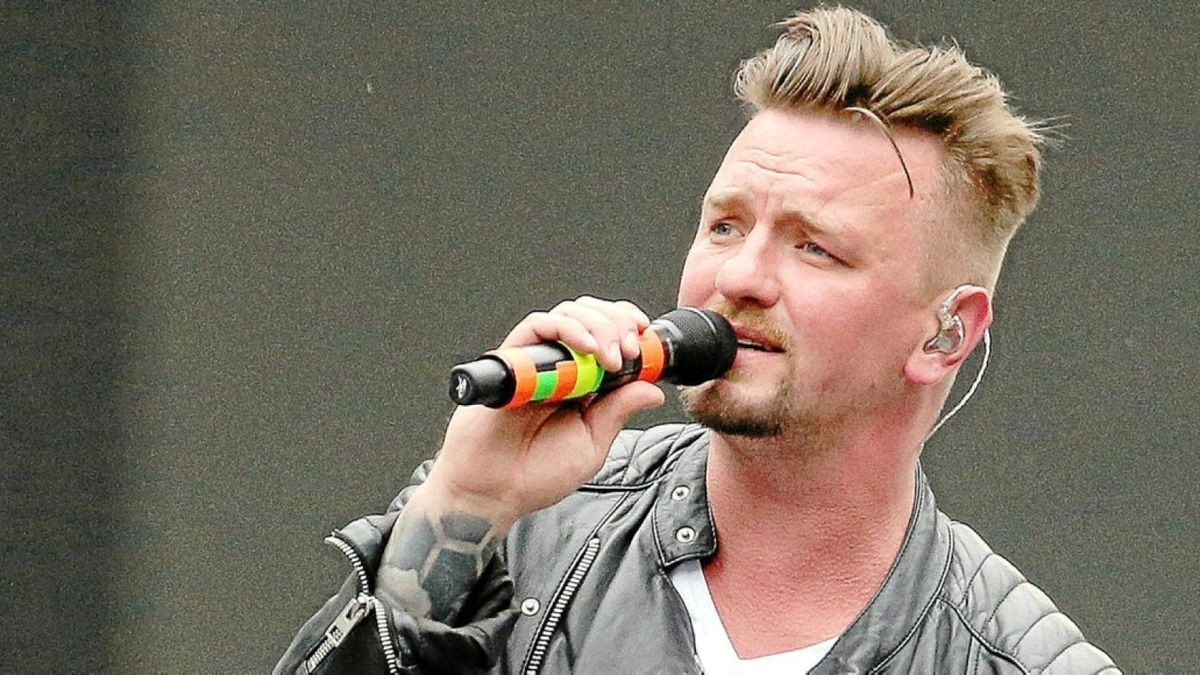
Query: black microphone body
[[685, 346]]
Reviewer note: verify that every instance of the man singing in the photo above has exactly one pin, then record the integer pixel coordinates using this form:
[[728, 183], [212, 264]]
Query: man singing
[[853, 236]]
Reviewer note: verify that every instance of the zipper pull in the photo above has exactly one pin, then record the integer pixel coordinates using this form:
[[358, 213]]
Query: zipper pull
[[351, 614]]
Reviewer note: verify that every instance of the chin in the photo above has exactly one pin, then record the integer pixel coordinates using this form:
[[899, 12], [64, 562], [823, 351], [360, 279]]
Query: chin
[[720, 410]]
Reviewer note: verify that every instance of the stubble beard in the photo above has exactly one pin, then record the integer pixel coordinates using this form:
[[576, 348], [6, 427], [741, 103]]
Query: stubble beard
[[782, 416], [716, 411], [721, 413]]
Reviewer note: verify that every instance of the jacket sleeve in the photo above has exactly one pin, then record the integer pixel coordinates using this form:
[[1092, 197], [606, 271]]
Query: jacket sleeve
[[356, 631]]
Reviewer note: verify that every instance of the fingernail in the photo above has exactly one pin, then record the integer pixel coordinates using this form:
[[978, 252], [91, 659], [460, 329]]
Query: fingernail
[[614, 352]]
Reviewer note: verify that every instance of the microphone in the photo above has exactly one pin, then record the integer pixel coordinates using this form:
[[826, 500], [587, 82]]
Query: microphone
[[684, 346]]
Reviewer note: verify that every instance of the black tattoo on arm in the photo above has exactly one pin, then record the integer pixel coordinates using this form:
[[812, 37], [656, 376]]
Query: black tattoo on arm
[[432, 561]]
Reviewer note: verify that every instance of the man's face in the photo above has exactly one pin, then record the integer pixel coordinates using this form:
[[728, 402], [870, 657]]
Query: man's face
[[810, 244]]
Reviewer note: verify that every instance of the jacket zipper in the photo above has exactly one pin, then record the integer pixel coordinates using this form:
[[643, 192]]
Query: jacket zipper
[[346, 619], [574, 579], [353, 613]]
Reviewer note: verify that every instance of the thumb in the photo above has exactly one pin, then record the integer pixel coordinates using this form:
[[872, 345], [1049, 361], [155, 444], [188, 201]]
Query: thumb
[[606, 416]]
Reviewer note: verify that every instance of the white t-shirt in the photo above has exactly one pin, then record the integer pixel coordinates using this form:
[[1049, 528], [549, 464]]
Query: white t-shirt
[[713, 647]]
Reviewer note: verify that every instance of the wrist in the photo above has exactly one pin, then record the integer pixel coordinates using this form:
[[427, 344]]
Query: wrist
[[437, 497]]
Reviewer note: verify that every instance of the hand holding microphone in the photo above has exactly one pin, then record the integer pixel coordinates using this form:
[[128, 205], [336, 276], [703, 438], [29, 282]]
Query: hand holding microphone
[[685, 346], [502, 464]]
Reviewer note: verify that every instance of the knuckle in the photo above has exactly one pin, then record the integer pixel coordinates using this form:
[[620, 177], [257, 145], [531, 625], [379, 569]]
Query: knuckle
[[635, 311], [629, 307], [599, 304], [569, 322], [590, 316]]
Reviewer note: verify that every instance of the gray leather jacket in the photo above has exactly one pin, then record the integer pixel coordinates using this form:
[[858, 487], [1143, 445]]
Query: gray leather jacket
[[583, 588]]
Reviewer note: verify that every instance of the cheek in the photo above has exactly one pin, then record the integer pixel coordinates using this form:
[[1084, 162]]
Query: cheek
[[698, 281], [844, 320], [872, 338]]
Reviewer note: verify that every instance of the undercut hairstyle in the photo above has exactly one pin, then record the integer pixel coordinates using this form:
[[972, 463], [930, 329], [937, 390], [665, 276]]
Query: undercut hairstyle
[[840, 60]]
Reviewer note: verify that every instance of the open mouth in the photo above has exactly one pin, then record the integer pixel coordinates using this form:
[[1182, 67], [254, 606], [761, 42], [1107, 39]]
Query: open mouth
[[757, 346]]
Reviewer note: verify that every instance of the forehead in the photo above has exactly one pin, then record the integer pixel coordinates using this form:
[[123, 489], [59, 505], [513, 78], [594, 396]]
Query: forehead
[[821, 162]]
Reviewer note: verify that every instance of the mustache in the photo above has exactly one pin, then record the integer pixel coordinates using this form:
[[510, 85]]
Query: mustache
[[752, 318]]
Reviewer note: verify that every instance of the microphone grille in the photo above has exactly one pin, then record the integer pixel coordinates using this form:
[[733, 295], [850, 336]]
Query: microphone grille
[[703, 345]]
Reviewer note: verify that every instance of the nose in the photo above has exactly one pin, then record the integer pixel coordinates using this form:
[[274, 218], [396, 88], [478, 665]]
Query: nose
[[749, 276]]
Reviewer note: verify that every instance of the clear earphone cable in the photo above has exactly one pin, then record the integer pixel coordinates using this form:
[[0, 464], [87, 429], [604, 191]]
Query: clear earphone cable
[[987, 353]]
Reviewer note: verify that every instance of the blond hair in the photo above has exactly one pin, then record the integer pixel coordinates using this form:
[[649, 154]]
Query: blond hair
[[837, 59]]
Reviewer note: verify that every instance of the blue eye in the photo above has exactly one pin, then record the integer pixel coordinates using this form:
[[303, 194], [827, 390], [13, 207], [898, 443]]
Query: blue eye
[[809, 247], [722, 229]]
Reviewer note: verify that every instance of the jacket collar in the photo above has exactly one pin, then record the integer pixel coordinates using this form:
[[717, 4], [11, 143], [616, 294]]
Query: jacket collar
[[906, 596], [682, 507]]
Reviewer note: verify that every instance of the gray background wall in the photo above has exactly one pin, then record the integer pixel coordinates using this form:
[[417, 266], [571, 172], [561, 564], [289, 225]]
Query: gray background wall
[[243, 242]]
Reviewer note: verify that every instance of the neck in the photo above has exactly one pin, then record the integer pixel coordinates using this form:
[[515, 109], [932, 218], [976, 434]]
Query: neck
[[854, 498], [815, 527], [808, 526]]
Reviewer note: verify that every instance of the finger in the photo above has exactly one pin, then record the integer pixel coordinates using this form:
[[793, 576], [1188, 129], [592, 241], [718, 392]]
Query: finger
[[642, 320], [602, 328], [545, 327], [478, 420], [607, 415], [625, 316]]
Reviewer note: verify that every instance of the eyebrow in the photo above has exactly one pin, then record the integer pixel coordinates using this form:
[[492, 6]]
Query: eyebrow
[[731, 199]]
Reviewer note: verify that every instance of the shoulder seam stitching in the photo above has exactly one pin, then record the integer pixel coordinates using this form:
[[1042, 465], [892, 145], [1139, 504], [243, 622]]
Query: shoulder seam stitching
[[1054, 610], [996, 609], [984, 641], [975, 575]]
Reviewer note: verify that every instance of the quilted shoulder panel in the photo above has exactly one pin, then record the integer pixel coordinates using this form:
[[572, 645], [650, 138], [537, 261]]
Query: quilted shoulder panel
[[641, 456], [1013, 618]]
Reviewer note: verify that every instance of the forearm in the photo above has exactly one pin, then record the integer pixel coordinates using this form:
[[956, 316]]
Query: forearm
[[435, 554], [444, 595]]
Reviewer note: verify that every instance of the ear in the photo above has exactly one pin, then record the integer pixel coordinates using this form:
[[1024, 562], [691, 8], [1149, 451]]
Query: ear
[[973, 306]]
